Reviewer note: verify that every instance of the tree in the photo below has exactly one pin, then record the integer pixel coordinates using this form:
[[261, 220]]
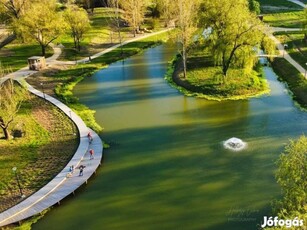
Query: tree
[[304, 24], [78, 23], [254, 6], [291, 176], [134, 11], [10, 11], [42, 23], [235, 32], [11, 98], [14, 8], [167, 9], [186, 27], [115, 23]]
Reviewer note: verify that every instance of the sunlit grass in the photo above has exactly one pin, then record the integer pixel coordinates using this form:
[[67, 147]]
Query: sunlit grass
[[288, 19]]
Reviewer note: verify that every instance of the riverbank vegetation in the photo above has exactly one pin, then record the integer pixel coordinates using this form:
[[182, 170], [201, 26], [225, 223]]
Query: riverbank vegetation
[[40, 131], [291, 176], [294, 79]]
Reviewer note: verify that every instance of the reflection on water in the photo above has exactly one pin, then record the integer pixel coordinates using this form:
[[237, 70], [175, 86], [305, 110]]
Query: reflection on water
[[166, 168]]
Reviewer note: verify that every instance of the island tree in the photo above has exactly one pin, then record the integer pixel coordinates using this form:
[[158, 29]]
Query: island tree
[[11, 98], [78, 23], [236, 32], [42, 22], [186, 27]]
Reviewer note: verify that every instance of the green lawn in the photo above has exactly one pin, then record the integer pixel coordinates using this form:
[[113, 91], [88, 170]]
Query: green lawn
[[39, 155], [14, 56], [292, 19], [99, 37]]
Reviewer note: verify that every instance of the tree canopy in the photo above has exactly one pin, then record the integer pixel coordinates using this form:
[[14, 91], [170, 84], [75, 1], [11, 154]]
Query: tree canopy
[[134, 13], [236, 32], [291, 176], [42, 22], [78, 23]]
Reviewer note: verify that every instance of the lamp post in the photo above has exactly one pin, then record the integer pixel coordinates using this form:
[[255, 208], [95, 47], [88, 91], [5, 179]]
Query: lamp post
[[70, 115], [285, 47], [42, 85], [17, 179]]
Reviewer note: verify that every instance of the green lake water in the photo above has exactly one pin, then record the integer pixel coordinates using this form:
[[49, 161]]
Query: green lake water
[[167, 167]]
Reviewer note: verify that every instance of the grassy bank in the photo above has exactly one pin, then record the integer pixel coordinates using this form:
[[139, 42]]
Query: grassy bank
[[38, 155], [295, 81], [204, 80]]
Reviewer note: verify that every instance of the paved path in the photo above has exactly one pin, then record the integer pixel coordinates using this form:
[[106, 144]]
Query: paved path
[[57, 50], [298, 3], [61, 186], [283, 52]]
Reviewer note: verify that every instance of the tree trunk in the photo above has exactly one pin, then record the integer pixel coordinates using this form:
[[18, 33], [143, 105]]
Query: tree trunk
[[6, 133], [75, 42], [184, 61], [43, 50], [78, 44]]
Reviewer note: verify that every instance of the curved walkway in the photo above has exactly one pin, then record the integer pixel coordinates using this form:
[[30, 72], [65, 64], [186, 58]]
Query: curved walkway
[[61, 186]]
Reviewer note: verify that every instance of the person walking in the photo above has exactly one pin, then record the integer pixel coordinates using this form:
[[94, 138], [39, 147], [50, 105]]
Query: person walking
[[81, 168], [91, 154], [90, 137]]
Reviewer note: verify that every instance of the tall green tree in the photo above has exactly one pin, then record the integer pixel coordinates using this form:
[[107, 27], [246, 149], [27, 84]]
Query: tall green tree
[[11, 98], [78, 23], [186, 26], [235, 32], [291, 176], [115, 22], [304, 24], [134, 13], [42, 22], [168, 10]]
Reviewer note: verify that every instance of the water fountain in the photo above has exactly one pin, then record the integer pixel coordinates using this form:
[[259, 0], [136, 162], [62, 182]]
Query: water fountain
[[234, 144]]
